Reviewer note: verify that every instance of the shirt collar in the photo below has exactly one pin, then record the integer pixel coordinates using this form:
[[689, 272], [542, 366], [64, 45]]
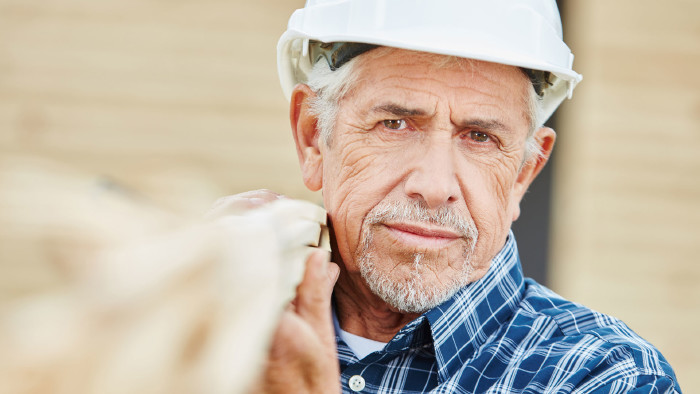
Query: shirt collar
[[463, 323]]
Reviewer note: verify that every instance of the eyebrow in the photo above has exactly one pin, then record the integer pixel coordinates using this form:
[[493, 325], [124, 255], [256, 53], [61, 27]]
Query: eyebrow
[[399, 111], [484, 124]]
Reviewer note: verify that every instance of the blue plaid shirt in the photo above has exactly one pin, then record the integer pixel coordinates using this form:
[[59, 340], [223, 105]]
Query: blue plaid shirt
[[508, 334]]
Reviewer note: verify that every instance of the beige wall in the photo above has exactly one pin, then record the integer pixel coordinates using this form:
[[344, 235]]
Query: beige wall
[[627, 191], [179, 101]]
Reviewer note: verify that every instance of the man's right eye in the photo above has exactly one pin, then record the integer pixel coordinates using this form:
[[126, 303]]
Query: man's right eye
[[394, 124]]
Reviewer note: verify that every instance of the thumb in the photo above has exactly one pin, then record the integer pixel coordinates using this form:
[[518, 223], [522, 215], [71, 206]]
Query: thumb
[[313, 301]]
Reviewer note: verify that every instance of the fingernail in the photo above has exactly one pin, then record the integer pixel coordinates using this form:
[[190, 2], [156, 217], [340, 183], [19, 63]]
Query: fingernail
[[326, 255], [333, 272], [321, 258], [256, 201]]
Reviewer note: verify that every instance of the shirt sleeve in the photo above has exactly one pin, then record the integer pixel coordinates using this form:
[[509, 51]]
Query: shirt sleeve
[[641, 384]]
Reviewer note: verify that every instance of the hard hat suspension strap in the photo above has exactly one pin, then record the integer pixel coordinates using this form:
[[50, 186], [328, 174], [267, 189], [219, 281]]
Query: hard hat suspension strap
[[337, 53]]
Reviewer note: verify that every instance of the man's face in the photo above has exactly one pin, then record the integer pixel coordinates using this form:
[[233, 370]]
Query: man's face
[[423, 157]]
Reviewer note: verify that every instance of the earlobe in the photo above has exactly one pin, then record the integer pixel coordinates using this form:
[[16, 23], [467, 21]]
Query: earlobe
[[306, 136], [545, 138]]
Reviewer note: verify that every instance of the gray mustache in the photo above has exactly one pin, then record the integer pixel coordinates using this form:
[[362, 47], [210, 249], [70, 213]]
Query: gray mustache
[[415, 211]]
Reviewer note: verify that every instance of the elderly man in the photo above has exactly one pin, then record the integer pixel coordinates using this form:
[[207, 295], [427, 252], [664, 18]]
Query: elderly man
[[421, 123]]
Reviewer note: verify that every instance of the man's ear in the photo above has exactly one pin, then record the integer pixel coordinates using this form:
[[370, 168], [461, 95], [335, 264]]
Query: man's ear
[[544, 138], [306, 136]]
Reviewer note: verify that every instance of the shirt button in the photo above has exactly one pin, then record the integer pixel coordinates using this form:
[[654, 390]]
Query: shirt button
[[356, 383]]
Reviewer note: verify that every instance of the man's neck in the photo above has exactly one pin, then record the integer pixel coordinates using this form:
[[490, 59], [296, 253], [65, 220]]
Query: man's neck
[[362, 313]]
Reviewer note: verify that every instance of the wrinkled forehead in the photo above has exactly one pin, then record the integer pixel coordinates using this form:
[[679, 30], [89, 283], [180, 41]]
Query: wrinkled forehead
[[453, 78], [399, 60], [338, 54]]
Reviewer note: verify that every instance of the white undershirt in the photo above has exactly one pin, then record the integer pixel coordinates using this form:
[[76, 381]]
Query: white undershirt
[[359, 345]]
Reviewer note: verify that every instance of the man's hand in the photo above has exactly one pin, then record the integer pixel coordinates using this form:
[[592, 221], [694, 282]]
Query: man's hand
[[242, 202], [302, 356]]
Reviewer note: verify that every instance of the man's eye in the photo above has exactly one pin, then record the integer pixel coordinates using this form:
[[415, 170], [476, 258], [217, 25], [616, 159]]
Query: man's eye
[[394, 124], [479, 136]]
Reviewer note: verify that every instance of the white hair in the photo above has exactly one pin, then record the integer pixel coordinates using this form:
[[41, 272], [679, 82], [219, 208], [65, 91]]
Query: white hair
[[331, 86], [534, 114]]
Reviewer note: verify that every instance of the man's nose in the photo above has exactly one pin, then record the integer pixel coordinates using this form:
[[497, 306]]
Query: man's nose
[[433, 177]]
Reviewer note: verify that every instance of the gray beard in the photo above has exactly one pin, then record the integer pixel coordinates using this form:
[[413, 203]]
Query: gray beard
[[415, 294]]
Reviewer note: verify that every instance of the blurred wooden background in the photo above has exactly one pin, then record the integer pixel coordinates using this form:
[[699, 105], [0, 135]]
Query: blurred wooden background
[[171, 98], [626, 231], [179, 103]]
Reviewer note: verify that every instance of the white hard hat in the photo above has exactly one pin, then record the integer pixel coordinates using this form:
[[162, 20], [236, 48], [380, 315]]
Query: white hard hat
[[522, 33]]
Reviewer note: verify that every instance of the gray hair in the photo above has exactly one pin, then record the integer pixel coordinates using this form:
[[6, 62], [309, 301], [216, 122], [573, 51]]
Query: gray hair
[[331, 86]]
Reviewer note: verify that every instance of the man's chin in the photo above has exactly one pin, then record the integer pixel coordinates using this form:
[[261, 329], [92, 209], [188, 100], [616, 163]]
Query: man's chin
[[414, 300], [410, 279], [410, 290], [405, 263]]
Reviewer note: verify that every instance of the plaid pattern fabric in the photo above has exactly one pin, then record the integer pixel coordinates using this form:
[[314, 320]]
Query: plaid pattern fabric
[[507, 334]]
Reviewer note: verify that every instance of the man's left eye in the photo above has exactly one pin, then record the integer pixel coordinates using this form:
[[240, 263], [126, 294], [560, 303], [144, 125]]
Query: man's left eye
[[394, 124], [478, 136]]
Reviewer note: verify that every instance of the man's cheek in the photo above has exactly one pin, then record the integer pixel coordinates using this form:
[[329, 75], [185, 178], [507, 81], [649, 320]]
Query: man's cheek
[[490, 188], [364, 173]]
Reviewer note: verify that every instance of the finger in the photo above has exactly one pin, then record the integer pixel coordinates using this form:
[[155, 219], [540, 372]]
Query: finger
[[333, 274], [332, 277], [310, 284], [238, 203], [264, 194], [313, 299]]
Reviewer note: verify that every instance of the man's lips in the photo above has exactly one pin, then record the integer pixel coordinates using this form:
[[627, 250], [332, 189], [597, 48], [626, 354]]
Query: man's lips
[[422, 235]]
